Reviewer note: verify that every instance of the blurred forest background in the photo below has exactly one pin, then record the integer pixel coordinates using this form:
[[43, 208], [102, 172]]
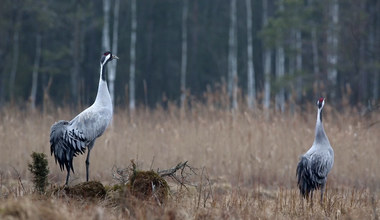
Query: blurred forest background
[[271, 54]]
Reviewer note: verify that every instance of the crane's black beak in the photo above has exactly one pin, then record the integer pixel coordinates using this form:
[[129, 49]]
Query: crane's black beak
[[115, 57]]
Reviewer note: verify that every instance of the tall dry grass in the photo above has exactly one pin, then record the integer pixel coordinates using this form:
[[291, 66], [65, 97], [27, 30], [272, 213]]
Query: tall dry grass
[[250, 158]]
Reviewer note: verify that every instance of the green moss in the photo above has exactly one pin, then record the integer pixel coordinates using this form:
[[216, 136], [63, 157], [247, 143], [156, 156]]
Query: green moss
[[146, 184]]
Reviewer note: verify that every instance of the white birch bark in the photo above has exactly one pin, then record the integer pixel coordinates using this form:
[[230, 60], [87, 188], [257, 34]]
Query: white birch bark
[[232, 57], [376, 74], [184, 53], [314, 46], [251, 96], [112, 66], [15, 56], [332, 50], [36, 66], [106, 44], [267, 61], [299, 64], [280, 71], [132, 70]]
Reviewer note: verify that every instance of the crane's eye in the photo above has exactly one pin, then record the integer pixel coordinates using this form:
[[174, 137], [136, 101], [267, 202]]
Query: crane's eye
[[321, 100], [106, 53]]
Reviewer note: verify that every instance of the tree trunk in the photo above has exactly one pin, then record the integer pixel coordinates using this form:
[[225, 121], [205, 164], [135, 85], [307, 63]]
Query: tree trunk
[[112, 66], [251, 96], [75, 54], [280, 71], [132, 56], [314, 43], [374, 31], [106, 44], [267, 61], [299, 65], [184, 53], [332, 48], [16, 50], [36, 66], [232, 57]]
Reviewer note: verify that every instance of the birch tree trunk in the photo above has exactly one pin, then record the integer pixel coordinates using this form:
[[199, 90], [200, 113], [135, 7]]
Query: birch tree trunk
[[374, 30], [76, 62], [280, 71], [132, 57], [314, 46], [251, 96], [232, 56], [332, 49], [112, 65], [15, 56], [184, 53], [36, 66], [106, 44], [267, 61], [299, 65]]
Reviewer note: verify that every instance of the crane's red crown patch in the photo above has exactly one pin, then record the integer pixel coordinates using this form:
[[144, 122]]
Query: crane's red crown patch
[[321, 99]]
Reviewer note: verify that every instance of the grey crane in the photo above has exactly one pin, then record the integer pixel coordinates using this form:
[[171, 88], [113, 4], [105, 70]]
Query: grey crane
[[69, 138], [316, 163]]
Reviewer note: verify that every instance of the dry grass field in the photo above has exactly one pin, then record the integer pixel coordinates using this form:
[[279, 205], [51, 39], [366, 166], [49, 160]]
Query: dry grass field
[[250, 161]]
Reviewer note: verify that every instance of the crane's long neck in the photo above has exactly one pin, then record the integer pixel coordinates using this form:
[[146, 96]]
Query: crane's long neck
[[320, 135], [103, 97]]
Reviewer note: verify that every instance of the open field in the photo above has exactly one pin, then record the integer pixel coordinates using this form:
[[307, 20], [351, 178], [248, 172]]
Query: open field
[[250, 160]]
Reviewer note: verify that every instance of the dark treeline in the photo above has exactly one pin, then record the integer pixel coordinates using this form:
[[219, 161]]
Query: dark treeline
[[51, 49]]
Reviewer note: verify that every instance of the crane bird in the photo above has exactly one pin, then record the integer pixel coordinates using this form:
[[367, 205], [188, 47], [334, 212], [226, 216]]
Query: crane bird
[[317, 162], [69, 138]]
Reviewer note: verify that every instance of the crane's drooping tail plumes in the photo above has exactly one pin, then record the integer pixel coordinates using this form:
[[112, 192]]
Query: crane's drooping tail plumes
[[308, 181], [64, 147]]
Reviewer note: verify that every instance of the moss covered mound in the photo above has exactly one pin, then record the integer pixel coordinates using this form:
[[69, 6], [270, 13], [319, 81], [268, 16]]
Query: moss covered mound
[[86, 190], [148, 184]]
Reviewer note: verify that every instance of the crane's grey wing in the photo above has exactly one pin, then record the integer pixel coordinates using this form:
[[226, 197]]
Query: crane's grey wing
[[66, 142], [321, 164], [91, 124]]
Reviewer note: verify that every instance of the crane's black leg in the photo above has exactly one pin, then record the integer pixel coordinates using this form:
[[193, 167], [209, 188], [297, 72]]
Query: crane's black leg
[[67, 177], [322, 190], [88, 159]]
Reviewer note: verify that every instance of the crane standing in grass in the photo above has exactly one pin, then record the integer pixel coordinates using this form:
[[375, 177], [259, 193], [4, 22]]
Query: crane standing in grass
[[317, 162], [69, 138]]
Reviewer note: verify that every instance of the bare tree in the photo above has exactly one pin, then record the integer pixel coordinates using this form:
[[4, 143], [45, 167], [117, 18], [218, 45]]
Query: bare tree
[[232, 56], [280, 70], [251, 96], [112, 66], [15, 55], [76, 54], [132, 56], [267, 61], [314, 44], [106, 44], [185, 9], [36, 67], [332, 48], [299, 85]]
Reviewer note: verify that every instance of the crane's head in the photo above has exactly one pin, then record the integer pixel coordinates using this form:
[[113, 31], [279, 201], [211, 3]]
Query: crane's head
[[107, 56], [321, 102]]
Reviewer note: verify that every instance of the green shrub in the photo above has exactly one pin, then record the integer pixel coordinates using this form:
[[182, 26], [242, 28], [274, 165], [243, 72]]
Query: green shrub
[[40, 170]]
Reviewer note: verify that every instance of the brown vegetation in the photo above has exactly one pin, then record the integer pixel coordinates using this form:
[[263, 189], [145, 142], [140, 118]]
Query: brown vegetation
[[250, 160]]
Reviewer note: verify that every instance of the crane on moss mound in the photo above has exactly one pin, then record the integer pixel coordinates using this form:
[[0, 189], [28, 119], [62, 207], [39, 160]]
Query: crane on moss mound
[[69, 138]]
